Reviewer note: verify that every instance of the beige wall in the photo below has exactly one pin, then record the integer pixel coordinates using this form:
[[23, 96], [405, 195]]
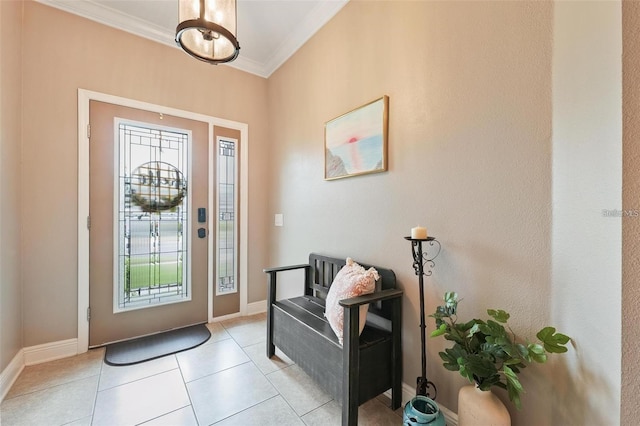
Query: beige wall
[[471, 153], [78, 53], [10, 192], [470, 156], [587, 179], [630, 412]]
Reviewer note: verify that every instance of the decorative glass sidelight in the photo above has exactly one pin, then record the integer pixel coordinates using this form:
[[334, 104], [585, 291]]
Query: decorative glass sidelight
[[152, 216], [226, 265]]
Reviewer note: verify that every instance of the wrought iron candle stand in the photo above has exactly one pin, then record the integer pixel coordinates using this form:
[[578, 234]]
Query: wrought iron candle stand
[[422, 259]]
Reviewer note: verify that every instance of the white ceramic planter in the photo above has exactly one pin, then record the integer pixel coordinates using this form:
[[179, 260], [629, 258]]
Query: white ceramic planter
[[481, 408]]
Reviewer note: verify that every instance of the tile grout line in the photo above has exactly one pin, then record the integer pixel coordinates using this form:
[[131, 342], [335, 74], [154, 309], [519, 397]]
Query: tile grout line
[[95, 398], [265, 375], [315, 409], [186, 388], [256, 363], [248, 408], [286, 401]]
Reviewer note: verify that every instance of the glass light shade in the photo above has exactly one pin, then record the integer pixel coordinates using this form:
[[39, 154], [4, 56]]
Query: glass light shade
[[207, 30]]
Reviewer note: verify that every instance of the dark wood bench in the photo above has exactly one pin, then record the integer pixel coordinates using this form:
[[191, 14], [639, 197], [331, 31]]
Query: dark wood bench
[[364, 366]]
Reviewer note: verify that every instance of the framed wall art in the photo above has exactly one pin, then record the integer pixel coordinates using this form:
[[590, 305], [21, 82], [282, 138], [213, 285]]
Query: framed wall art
[[355, 143]]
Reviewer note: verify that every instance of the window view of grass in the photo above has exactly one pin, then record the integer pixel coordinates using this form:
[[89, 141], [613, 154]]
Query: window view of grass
[[145, 275], [154, 260], [147, 269]]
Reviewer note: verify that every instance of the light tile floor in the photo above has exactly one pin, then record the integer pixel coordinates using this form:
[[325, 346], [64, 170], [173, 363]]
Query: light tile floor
[[226, 381]]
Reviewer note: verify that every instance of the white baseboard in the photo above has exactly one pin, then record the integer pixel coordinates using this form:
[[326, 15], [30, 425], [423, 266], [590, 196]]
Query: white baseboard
[[50, 351], [225, 317], [10, 374], [35, 355], [257, 307], [408, 392], [252, 308]]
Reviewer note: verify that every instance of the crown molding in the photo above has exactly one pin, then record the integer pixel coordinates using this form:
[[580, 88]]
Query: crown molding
[[316, 19], [248, 65], [319, 16], [114, 18]]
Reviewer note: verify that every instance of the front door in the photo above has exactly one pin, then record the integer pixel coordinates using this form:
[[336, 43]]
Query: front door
[[149, 222]]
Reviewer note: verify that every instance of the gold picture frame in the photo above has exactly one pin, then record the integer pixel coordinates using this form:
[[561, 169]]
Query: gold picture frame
[[355, 143]]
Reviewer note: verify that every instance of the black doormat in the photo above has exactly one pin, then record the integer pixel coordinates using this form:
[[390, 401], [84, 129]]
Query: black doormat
[[156, 346]]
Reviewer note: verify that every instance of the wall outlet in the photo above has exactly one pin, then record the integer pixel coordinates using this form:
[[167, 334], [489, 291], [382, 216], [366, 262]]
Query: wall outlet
[[279, 219]]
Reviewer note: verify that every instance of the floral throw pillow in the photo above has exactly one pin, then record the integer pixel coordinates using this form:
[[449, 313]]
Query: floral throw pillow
[[351, 281]]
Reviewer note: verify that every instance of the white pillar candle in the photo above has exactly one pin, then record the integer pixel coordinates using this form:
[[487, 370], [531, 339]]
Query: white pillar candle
[[419, 233]]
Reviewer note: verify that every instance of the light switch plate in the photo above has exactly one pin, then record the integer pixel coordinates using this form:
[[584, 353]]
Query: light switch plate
[[279, 219]]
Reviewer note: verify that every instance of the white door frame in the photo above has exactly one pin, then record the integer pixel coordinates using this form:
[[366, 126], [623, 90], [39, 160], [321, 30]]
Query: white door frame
[[84, 96]]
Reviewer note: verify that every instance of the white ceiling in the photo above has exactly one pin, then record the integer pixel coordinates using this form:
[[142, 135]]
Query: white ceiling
[[269, 31]]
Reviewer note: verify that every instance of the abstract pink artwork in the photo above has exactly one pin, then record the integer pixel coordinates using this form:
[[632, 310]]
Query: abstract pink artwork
[[356, 142]]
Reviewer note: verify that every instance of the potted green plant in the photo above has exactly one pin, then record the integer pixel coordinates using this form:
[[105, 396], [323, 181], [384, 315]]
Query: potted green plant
[[487, 353]]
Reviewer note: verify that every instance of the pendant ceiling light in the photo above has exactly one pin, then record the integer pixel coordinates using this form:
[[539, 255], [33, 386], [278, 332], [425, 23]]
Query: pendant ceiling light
[[207, 30]]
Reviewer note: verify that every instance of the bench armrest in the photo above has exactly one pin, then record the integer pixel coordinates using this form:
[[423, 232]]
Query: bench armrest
[[286, 268], [272, 278], [272, 275], [351, 349], [371, 298]]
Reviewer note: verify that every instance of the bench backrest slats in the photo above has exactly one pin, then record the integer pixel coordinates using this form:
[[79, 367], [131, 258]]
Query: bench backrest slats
[[324, 269]]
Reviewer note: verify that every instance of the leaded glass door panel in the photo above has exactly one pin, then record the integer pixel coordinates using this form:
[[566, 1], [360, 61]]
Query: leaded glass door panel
[[148, 263], [224, 220]]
